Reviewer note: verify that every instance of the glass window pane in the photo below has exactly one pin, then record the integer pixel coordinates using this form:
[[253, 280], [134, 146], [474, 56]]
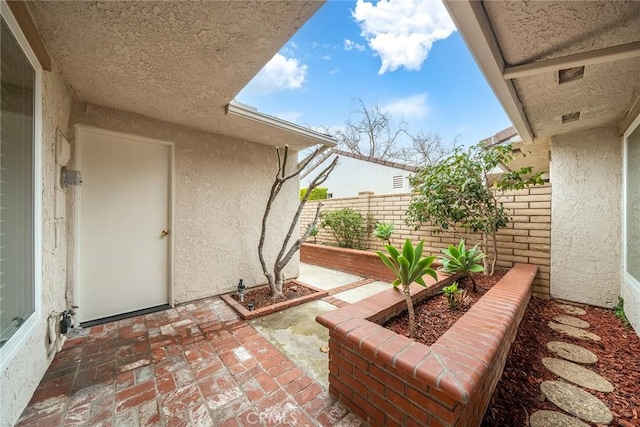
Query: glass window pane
[[633, 204], [17, 299]]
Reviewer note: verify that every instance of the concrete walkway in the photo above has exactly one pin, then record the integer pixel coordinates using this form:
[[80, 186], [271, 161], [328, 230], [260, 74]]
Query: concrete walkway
[[199, 365]]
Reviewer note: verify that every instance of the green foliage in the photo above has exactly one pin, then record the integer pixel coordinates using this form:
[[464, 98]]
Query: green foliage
[[620, 314], [409, 266], [457, 259], [383, 231], [347, 226], [452, 194], [313, 231], [456, 297], [318, 193]]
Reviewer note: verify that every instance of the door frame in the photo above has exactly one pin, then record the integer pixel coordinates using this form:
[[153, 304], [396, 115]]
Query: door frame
[[77, 164]]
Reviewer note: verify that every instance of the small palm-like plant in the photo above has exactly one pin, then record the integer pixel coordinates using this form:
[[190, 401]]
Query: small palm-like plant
[[383, 231], [408, 267], [457, 259]]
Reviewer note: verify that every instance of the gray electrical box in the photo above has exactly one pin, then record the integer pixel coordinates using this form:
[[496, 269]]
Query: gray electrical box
[[71, 177]]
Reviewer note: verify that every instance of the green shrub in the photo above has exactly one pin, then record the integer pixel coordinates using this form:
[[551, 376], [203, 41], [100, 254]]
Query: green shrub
[[313, 232], [318, 193], [347, 226]]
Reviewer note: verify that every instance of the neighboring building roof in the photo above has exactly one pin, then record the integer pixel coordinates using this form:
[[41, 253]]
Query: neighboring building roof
[[375, 160], [505, 136]]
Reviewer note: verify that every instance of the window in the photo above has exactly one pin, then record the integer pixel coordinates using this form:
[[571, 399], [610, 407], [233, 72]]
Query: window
[[632, 205], [20, 188], [397, 181]]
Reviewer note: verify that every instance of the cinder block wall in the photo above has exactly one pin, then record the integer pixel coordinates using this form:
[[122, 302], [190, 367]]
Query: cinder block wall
[[526, 239]]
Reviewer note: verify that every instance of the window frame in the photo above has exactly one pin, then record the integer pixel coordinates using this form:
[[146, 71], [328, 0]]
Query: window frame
[[628, 278], [10, 349]]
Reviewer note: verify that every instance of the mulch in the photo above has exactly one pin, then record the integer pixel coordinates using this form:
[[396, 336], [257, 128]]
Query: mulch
[[433, 315], [518, 394], [261, 296]]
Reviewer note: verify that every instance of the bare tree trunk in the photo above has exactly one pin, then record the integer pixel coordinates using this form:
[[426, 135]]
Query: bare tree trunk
[[485, 261], [495, 252], [276, 277], [406, 290]]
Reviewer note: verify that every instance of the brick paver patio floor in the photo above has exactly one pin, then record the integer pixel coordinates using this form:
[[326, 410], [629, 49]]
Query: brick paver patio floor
[[195, 365]]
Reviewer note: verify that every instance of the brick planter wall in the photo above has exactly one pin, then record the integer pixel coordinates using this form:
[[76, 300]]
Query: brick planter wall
[[353, 261], [389, 380]]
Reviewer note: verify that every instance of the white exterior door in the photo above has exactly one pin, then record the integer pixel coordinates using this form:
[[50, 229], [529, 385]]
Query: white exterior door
[[123, 253]]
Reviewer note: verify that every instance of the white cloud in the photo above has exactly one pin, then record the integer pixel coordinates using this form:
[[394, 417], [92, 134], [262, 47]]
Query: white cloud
[[414, 106], [326, 57], [401, 32], [279, 74], [350, 45]]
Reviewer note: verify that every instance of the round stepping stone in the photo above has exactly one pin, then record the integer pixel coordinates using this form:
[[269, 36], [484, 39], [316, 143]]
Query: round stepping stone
[[554, 419], [577, 374], [577, 402], [572, 352], [574, 332], [572, 321], [570, 309]]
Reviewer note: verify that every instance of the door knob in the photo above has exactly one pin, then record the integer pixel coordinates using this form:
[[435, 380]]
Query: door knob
[[164, 233]]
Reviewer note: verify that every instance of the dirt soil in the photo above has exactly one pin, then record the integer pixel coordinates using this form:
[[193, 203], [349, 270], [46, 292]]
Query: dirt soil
[[433, 315], [260, 297], [518, 393]]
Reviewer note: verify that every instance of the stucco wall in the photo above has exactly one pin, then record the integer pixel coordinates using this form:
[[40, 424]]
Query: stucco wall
[[352, 176], [586, 217], [221, 188], [631, 296], [21, 376]]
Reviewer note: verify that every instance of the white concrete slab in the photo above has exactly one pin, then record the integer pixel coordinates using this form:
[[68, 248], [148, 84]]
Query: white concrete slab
[[296, 333], [354, 295], [323, 278]]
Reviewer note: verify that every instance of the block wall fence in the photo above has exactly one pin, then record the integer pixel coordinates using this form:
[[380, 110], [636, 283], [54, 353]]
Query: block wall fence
[[526, 239]]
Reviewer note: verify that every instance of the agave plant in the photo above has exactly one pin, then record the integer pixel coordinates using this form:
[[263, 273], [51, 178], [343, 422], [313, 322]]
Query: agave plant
[[383, 231], [457, 259], [408, 267]]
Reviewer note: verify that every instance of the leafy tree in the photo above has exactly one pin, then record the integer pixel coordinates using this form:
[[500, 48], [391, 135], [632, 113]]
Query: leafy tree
[[318, 193], [275, 276], [408, 267], [454, 194]]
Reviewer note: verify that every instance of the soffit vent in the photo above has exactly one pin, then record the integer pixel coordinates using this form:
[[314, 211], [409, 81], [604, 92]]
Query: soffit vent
[[570, 74], [571, 117], [397, 181]]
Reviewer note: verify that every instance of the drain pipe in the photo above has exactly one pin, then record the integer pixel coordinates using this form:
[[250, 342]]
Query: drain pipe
[[56, 339]]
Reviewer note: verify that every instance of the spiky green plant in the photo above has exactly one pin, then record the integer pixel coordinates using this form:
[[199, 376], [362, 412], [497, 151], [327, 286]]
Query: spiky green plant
[[408, 267], [457, 259], [383, 231]]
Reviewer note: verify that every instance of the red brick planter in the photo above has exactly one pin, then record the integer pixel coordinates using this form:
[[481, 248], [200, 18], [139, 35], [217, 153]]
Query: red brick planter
[[353, 261], [390, 380], [246, 314]]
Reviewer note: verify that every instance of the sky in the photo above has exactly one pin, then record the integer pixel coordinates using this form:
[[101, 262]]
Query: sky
[[403, 55]]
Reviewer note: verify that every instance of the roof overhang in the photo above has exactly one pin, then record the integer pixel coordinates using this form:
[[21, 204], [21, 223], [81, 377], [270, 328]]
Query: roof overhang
[[181, 62], [242, 116], [556, 66], [475, 29]]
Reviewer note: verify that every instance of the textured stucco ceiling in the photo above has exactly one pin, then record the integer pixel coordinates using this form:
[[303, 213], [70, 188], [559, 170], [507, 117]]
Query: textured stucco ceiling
[[531, 31], [176, 61]]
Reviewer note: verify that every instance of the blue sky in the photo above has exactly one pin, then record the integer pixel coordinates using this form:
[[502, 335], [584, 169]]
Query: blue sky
[[404, 55]]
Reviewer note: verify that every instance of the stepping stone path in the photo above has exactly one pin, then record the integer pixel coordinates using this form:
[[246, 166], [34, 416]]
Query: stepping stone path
[[577, 374], [570, 309], [565, 396], [574, 332], [572, 321], [577, 402], [554, 419], [572, 352]]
